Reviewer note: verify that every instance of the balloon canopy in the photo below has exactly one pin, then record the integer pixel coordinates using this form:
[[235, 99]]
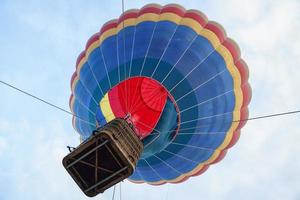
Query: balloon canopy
[[176, 77]]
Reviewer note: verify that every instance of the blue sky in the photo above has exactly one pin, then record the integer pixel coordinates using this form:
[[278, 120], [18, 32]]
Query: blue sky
[[39, 44]]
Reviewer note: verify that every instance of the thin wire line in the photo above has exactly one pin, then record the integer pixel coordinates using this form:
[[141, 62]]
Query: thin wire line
[[241, 120], [44, 101], [124, 57], [168, 189], [244, 120], [208, 149], [211, 133], [114, 191], [268, 116], [70, 113], [84, 106], [120, 187]]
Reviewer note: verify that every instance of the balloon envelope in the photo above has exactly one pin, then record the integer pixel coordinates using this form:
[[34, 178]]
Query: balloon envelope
[[176, 76]]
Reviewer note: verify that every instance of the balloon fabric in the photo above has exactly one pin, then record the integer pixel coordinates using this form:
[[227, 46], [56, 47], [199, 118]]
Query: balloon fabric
[[176, 76]]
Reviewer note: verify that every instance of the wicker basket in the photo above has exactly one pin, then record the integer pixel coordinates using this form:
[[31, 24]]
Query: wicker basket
[[106, 158]]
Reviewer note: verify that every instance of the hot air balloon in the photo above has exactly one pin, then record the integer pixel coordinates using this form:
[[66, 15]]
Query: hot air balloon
[[175, 77]]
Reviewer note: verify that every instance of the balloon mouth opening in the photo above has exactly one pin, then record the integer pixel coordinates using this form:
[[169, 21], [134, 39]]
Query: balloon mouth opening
[[141, 101]]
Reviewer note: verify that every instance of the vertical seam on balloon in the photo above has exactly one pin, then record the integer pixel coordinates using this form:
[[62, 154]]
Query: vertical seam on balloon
[[168, 165], [208, 100], [177, 25], [94, 76], [198, 65], [148, 126], [192, 146], [149, 143], [117, 41], [190, 44], [86, 122], [86, 88], [200, 85], [208, 117], [105, 65], [125, 70], [132, 50], [138, 172], [202, 133], [120, 34], [87, 108], [150, 42], [133, 45], [79, 100], [180, 156], [152, 169]]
